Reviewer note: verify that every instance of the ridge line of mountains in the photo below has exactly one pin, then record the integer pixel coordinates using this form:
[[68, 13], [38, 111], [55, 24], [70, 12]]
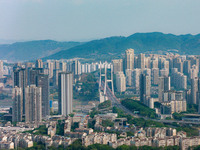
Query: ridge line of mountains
[[102, 49]]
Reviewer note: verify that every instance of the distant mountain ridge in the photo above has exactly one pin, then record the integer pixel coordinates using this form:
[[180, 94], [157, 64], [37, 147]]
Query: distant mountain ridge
[[102, 49], [114, 47], [31, 50]]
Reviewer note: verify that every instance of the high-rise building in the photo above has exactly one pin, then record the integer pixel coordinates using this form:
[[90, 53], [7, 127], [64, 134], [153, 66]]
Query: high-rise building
[[129, 59], [179, 81], [120, 82], [145, 86], [129, 77], [39, 63], [20, 80], [76, 67], [32, 74], [155, 76], [136, 80], [50, 68], [17, 110], [186, 67], [147, 71], [56, 65], [141, 61], [1, 69], [63, 66], [194, 90], [29, 65], [164, 72], [33, 111], [164, 85], [55, 77], [154, 63], [177, 63], [42, 80], [117, 65], [65, 91]]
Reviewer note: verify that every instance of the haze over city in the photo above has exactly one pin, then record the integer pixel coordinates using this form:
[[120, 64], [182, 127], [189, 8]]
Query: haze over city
[[84, 20]]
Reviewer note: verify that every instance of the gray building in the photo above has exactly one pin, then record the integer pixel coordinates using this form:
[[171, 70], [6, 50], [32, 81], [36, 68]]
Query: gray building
[[164, 85], [20, 80], [17, 110], [194, 90], [33, 111], [145, 86], [42, 80]]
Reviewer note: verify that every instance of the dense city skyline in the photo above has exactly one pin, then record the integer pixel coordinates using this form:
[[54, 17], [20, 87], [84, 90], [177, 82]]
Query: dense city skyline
[[120, 82]]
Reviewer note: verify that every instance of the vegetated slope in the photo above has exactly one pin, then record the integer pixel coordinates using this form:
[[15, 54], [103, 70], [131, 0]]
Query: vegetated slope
[[114, 47], [22, 51]]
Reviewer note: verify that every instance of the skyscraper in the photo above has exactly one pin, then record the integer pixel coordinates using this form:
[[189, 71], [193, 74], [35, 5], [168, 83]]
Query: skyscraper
[[55, 77], [186, 67], [33, 111], [33, 72], [65, 91], [155, 76], [50, 68], [63, 66], [120, 82], [141, 61], [194, 90], [145, 86], [136, 80], [39, 63], [129, 77], [42, 80], [76, 67], [17, 111], [1, 68], [57, 65], [20, 80], [129, 59], [117, 65], [164, 85]]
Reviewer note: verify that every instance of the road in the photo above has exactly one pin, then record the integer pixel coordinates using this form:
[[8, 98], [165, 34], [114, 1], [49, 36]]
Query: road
[[115, 102]]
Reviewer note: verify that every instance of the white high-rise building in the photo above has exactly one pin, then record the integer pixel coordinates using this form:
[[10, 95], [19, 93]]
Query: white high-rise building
[[50, 68], [129, 59], [65, 91], [120, 82]]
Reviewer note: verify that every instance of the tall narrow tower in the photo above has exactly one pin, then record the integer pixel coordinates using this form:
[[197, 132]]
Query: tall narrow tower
[[65, 91], [129, 59], [17, 105]]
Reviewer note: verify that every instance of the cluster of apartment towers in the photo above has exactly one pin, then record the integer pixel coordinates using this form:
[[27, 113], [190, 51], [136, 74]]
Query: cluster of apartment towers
[[142, 73], [31, 90]]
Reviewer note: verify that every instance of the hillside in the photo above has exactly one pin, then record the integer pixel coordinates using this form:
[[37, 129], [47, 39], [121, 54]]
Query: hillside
[[31, 50], [113, 47], [102, 49]]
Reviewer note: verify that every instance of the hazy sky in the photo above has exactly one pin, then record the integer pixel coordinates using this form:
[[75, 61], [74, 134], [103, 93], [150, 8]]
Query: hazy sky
[[69, 20]]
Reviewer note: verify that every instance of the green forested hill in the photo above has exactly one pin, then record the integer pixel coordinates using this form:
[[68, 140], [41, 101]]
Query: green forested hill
[[22, 51], [113, 47]]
